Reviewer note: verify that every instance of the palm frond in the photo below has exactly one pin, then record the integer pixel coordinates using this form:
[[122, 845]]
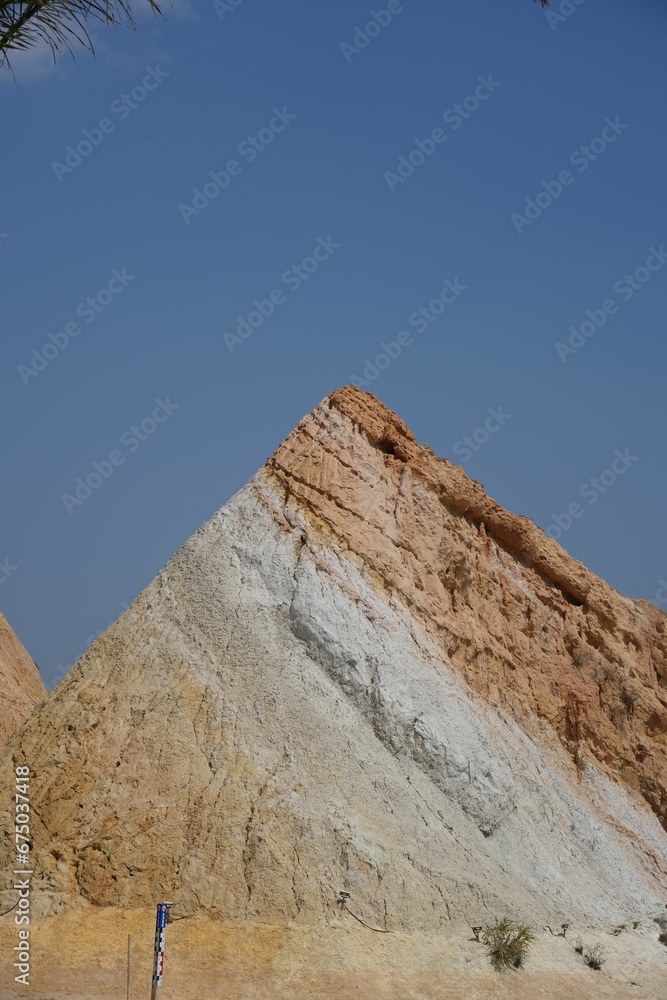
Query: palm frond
[[58, 23]]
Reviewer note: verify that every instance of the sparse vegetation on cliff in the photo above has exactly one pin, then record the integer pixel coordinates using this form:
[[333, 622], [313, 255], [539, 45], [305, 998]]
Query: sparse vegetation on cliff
[[508, 943], [594, 957]]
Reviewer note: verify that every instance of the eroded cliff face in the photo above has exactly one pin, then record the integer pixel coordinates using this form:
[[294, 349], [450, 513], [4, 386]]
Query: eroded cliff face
[[21, 686], [527, 626], [361, 673]]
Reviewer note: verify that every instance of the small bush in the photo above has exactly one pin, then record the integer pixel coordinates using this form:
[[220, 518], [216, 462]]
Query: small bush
[[629, 697], [507, 943], [579, 946], [607, 673], [618, 716], [595, 957], [662, 938]]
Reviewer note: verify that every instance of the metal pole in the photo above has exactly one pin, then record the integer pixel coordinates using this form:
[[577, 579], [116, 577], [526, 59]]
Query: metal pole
[[158, 959], [128, 967]]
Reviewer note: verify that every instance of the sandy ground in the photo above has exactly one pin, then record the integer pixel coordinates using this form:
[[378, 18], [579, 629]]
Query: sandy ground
[[530, 988], [82, 957]]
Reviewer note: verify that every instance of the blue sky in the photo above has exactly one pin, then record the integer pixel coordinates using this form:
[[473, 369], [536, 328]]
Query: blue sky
[[132, 279]]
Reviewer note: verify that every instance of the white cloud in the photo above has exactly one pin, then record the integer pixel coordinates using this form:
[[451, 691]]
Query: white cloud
[[36, 63], [28, 65]]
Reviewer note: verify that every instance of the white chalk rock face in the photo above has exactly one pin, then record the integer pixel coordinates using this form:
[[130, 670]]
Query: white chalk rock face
[[324, 689]]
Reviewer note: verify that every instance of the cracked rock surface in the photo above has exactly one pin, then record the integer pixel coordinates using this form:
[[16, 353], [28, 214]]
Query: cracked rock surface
[[360, 674]]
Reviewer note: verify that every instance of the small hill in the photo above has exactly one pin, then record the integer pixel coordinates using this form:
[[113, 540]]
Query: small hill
[[21, 687]]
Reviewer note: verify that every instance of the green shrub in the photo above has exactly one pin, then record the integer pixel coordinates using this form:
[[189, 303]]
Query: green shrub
[[595, 957], [508, 943]]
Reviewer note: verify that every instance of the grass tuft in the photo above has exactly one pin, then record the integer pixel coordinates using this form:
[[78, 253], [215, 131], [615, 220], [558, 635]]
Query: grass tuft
[[508, 943]]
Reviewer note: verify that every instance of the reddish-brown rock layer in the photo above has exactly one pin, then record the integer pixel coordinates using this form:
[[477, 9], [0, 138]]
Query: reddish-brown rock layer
[[528, 626], [21, 686]]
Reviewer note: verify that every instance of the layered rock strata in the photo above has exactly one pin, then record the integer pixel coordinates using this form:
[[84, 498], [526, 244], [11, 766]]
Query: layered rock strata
[[361, 673]]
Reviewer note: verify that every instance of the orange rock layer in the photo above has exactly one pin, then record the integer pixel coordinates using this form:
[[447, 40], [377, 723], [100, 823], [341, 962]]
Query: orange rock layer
[[528, 627], [21, 686]]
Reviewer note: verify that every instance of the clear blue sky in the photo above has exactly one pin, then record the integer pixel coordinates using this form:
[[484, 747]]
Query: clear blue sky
[[327, 174]]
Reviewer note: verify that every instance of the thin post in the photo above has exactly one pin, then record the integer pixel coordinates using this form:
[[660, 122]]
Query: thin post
[[158, 959], [128, 967]]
